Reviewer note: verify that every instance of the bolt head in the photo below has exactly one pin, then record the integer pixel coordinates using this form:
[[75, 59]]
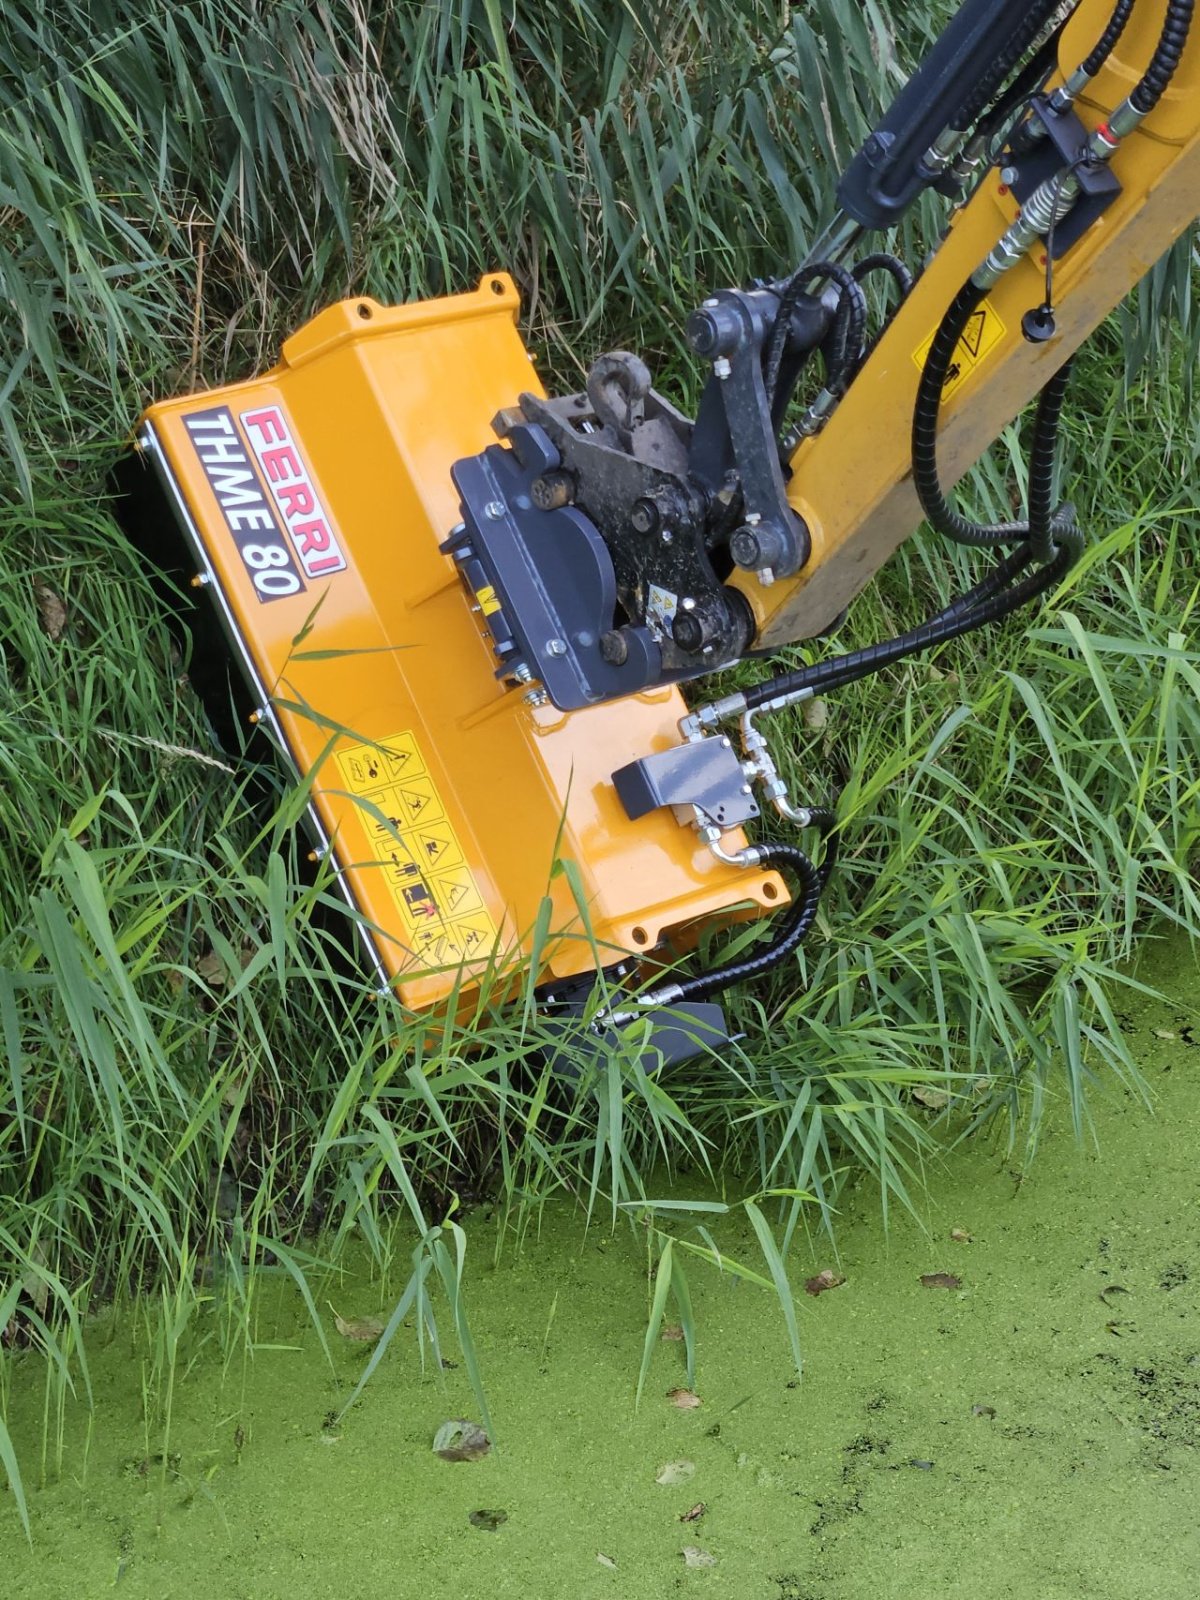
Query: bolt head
[[494, 510], [687, 603], [556, 647], [721, 367]]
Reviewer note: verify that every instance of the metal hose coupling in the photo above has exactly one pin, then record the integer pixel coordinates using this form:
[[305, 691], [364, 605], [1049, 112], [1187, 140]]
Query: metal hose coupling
[[1045, 208]]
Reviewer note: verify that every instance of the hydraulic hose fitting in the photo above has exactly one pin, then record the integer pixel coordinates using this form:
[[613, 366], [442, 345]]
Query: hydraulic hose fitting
[[697, 724], [1106, 139], [748, 856], [1046, 207], [1065, 96], [940, 154], [816, 415]]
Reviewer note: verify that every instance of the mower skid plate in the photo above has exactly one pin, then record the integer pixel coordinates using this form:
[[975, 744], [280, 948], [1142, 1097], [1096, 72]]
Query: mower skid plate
[[310, 505]]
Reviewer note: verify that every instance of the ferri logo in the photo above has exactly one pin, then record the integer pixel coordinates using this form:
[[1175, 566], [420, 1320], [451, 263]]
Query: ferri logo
[[292, 489]]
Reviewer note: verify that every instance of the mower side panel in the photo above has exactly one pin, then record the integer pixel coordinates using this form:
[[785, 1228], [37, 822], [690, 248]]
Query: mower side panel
[[314, 500]]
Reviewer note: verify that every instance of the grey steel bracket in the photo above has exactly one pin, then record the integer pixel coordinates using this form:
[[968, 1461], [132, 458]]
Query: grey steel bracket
[[705, 774]]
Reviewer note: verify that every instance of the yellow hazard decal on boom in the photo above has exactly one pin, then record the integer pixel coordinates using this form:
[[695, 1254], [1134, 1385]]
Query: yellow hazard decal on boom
[[414, 845], [983, 332]]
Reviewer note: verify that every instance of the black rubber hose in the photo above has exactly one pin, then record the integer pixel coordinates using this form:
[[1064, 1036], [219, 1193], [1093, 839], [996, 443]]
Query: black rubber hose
[[884, 261], [837, 671], [842, 349], [794, 923], [1175, 29], [938, 510], [787, 303], [1020, 40], [1108, 40], [1046, 524]]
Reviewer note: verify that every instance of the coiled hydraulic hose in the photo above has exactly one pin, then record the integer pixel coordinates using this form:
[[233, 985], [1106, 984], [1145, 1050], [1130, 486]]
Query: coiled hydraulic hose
[[884, 261], [1176, 25], [937, 508], [1108, 40], [856, 313], [794, 923]]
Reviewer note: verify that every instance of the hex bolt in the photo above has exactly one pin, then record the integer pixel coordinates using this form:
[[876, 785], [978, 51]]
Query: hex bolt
[[1009, 176], [721, 367], [494, 510], [556, 647]]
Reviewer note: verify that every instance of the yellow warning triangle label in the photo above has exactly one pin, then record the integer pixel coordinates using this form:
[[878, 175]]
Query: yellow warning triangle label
[[972, 334], [414, 801]]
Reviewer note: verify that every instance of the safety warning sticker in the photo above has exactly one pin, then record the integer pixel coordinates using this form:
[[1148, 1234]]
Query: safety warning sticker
[[445, 917], [983, 332]]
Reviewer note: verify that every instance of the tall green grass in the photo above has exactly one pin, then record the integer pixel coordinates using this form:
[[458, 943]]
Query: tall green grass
[[193, 1081]]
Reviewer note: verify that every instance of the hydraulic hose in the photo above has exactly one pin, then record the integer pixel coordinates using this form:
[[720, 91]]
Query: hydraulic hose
[[1163, 62], [1048, 524], [884, 261], [856, 313], [963, 616], [794, 923], [937, 508], [1044, 525], [1108, 40]]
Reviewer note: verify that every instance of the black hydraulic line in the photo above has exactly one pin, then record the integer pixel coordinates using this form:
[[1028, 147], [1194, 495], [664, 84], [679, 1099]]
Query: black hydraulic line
[[837, 671], [1048, 525], [842, 350], [1028, 82], [937, 508], [794, 923], [1044, 526], [884, 261], [1108, 40], [787, 302], [1163, 62]]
